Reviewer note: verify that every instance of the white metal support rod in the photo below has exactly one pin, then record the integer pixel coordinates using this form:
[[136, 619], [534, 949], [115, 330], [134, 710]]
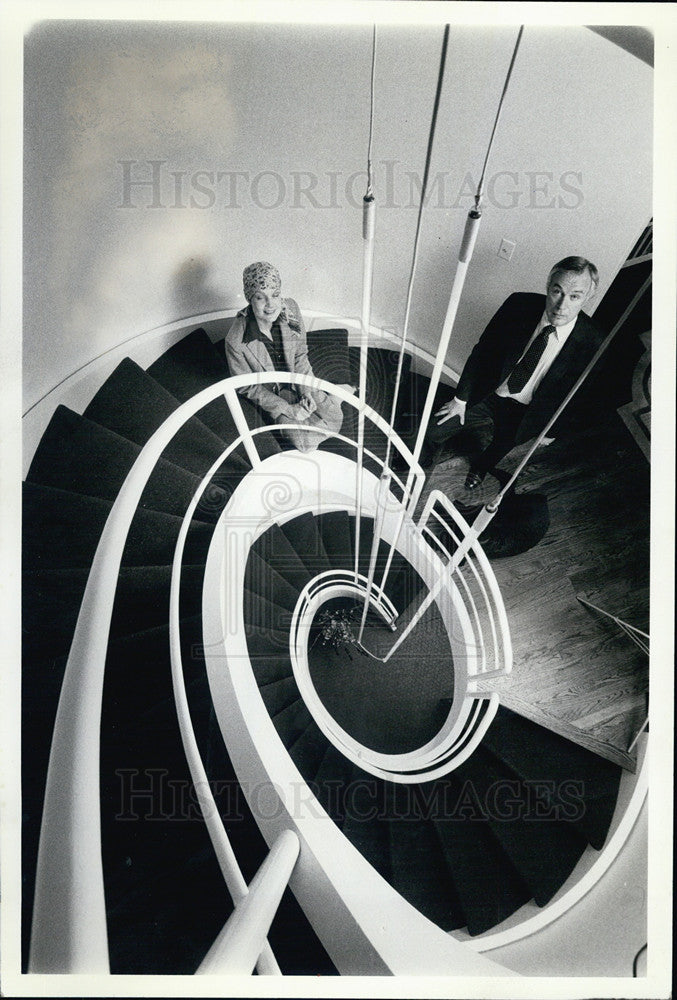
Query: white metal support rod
[[634, 742], [368, 229], [239, 944], [242, 426], [476, 529], [464, 257], [383, 491]]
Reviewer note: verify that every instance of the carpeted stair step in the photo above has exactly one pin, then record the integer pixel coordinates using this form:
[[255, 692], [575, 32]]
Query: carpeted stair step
[[381, 377], [188, 367], [308, 750], [195, 363], [136, 677], [411, 402], [52, 601], [275, 549], [302, 533], [134, 405], [291, 721], [279, 694], [403, 584], [329, 783], [381, 371], [329, 356], [262, 616], [364, 823], [584, 786], [334, 528], [261, 578], [418, 865], [486, 883], [542, 846], [79, 455], [268, 653], [61, 530]]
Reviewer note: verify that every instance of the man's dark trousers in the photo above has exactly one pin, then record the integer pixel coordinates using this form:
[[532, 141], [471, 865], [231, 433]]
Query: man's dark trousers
[[495, 412]]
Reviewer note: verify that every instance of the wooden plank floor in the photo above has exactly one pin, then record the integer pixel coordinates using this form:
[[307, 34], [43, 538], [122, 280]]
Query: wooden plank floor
[[574, 670]]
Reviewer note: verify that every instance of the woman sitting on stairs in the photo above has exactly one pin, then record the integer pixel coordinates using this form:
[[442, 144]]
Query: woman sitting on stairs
[[269, 335]]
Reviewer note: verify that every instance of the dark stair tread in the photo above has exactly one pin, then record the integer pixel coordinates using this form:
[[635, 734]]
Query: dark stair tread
[[80, 456], [302, 533], [364, 822], [328, 354], [535, 754], [262, 616], [525, 746], [308, 750], [61, 530], [488, 887], [411, 401], [542, 845], [595, 817], [329, 782], [274, 548], [131, 403], [291, 721], [334, 528], [52, 600], [271, 667], [279, 694], [381, 370], [403, 584], [418, 866], [188, 367], [261, 578]]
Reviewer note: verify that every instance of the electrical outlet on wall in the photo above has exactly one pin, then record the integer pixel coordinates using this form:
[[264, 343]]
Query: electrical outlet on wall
[[506, 249]]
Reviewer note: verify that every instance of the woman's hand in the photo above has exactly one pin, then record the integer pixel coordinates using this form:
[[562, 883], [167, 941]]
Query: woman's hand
[[299, 412], [308, 403], [454, 408]]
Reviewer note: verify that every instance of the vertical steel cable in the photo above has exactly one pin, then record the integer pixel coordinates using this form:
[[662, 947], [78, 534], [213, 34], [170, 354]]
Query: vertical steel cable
[[368, 229], [386, 474]]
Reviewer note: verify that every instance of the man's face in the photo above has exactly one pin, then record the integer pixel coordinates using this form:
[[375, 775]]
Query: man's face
[[566, 295], [266, 304]]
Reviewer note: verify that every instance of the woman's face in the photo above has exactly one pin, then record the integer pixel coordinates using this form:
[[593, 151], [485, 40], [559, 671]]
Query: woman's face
[[266, 304]]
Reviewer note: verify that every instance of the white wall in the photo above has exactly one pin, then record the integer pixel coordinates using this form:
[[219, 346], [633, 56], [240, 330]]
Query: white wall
[[286, 105]]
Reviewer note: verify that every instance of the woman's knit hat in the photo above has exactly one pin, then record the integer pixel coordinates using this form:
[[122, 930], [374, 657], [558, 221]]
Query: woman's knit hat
[[260, 275]]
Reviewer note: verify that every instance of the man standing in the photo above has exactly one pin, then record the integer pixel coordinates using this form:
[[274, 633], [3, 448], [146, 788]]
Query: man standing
[[523, 365]]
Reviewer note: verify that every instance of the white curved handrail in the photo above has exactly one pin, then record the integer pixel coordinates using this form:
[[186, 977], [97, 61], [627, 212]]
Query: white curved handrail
[[237, 948], [69, 932], [333, 881], [423, 764]]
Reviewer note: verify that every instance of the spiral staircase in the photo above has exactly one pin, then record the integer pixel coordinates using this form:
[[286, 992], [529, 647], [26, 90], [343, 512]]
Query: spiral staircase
[[426, 813]]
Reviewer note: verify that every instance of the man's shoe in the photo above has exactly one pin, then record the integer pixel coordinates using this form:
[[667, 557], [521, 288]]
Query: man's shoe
[[474, 479]]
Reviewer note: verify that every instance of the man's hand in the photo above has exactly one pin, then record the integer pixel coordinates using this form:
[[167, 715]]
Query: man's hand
[[545, 441], [454, 408]]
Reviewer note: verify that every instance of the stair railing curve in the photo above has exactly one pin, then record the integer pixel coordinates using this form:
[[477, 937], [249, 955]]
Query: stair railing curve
[[468, 719], [324, 881], [466, 722], [69, 932]]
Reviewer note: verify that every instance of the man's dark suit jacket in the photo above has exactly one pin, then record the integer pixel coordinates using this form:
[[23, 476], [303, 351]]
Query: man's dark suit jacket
[[502, 344]]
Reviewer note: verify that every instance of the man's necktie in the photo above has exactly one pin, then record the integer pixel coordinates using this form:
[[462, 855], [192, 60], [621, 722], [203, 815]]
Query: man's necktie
[[526, 366]]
